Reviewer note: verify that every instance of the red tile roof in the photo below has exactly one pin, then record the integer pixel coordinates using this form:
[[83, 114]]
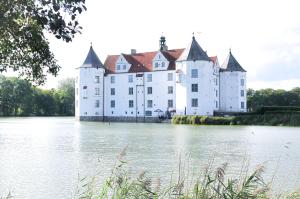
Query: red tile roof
[[142, 62]]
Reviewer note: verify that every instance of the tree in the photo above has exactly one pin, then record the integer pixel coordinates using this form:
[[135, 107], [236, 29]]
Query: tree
[[271, 97], [7, 98], [23, 46], [66, 96]]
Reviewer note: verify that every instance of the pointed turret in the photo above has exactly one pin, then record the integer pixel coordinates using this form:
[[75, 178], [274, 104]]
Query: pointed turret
[[194, 52], [92, 60], [231, 64], [162, 43]]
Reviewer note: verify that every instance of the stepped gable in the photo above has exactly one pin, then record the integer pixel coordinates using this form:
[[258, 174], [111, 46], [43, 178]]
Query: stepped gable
[[231, 64], [194, 52], [92, 60], [142, 62]]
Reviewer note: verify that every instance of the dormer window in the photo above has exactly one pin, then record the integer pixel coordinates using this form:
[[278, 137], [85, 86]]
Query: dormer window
[[156, 64], [163, 64], [124, 67], [118, 67]]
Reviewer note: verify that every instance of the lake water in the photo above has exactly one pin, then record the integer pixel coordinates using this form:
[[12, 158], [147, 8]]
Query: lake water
[[42, 157]]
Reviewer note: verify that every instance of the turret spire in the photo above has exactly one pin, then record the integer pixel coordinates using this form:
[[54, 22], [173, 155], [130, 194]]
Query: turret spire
[[162, 43], [92, 60], [231, 64], [194, 52]]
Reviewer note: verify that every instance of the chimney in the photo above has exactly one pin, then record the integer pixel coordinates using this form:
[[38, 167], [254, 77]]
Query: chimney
[[133, 51]]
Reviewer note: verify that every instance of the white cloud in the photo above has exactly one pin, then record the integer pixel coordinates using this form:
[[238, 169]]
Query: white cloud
[[263, 35]]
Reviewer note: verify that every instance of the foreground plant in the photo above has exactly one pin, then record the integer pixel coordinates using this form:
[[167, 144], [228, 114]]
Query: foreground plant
[[121, 185]]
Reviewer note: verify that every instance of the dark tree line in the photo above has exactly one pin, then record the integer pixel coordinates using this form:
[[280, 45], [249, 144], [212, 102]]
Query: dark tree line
[[19, 98], [271, 97]]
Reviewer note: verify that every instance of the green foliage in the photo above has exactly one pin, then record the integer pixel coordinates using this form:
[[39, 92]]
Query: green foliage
[[271, 97], [23, 46], [19, 98], [270, 119], [204, 120]]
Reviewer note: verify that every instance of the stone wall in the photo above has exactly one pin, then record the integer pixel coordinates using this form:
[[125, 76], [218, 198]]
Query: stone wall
[[89, 118], [132, 119]]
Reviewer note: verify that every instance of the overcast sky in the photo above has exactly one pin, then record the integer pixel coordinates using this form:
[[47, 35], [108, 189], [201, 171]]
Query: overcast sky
[[264, 35]]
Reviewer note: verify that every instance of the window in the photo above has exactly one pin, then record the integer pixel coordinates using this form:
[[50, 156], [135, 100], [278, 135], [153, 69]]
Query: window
[[194, 73], [170, 89], [84, 92], [97, 91], [148, 113], [124, 67], [217, 104], [118, 67], [170, 103], [130, 91], [194, 102], [97, 79], [170, 76], [130, 103], [97, 103], [112, 91], [130, 78], [242, 105], [149, 77], [163, 64], [194, 87], [242, 82], [216, 93], [149, 90], [242, 93], [156, 64], [216, 80], [112, 79], [112, 103], [149, 103]]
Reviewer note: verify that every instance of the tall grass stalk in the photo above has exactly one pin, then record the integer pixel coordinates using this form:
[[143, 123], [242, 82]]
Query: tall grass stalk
[[209, 184]]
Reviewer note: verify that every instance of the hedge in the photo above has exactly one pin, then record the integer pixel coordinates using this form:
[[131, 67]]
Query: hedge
[[269, 119]]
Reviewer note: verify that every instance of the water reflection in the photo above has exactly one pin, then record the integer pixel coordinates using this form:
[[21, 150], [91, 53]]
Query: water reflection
[[44, 155]]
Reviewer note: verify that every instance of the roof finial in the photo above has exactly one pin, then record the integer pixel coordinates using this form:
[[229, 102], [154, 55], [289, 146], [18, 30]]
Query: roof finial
[[230, 50], [193, 35], [91, 44], [162, 43]]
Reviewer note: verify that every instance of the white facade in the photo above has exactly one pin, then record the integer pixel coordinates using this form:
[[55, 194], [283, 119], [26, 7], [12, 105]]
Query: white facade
[[233, 92], [139, 94], [144, 86]]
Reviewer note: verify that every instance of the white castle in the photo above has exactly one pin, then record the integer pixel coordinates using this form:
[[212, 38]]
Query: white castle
[[141, 87]]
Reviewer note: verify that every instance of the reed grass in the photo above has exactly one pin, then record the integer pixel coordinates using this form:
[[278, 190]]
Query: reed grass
[[209, 184]]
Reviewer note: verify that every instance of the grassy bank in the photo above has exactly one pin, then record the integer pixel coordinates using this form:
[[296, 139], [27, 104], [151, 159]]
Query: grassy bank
[[269, 119]]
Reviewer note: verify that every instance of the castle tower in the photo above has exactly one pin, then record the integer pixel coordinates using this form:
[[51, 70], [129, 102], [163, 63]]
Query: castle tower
[[233, 89], [89, 89], [195, 82]]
